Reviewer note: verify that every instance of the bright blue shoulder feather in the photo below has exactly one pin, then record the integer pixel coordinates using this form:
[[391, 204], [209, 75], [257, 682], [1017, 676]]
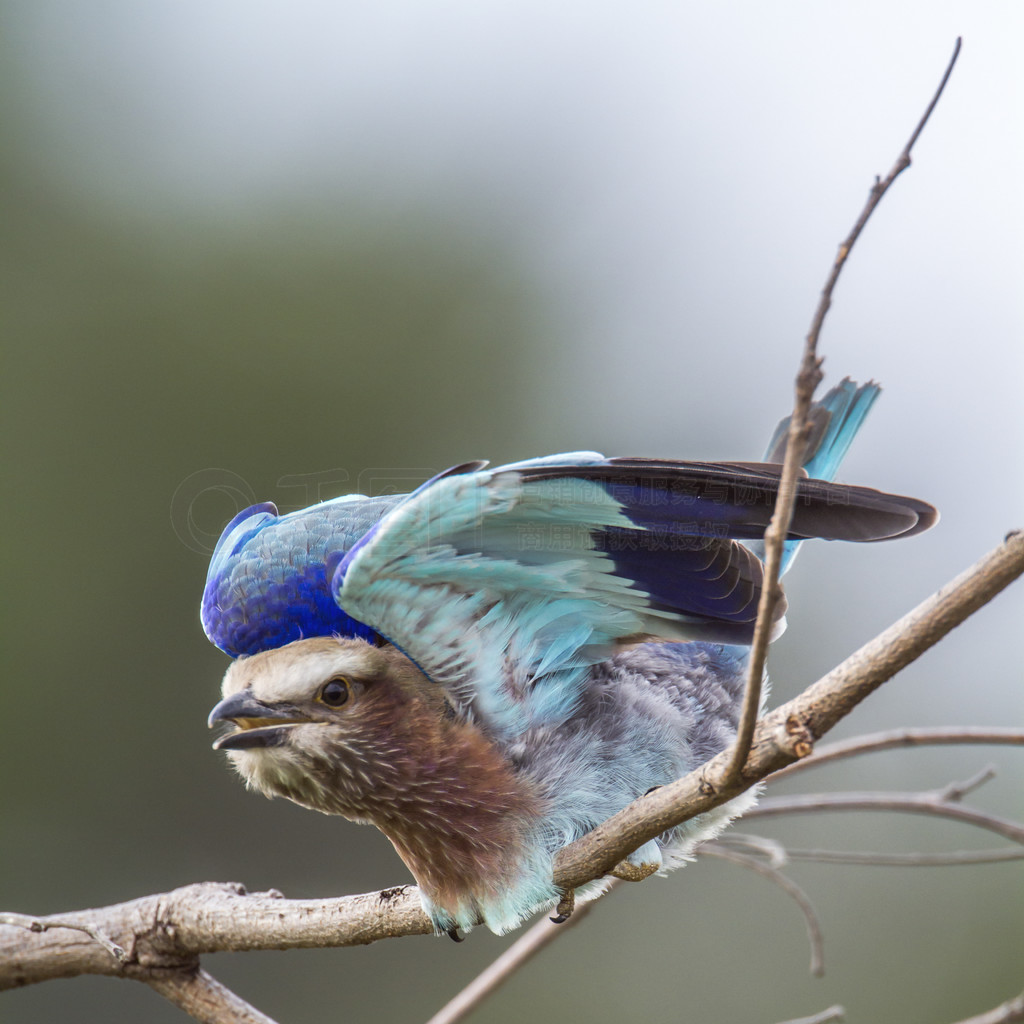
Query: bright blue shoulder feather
[[267, 584]]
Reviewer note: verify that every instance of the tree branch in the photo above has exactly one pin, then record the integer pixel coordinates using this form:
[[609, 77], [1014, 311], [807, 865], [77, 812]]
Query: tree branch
[[901, 738], [204, 998], [778, 855], [491, 978], [169, 931], [788, 886], [788, 733], [832, 1014], [866, 858], [904, 803], [1010, 1012], [807, 380]]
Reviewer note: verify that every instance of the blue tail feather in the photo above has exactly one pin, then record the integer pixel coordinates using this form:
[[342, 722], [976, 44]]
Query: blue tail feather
[[835, 421]]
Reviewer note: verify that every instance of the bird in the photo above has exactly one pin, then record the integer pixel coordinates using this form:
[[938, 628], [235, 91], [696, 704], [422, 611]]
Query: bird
[[489, 667]]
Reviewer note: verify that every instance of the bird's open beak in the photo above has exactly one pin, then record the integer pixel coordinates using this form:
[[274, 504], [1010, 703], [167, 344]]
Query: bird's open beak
[[259, 724]]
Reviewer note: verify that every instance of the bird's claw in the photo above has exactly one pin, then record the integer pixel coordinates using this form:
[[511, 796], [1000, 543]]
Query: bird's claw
[[566, 905]]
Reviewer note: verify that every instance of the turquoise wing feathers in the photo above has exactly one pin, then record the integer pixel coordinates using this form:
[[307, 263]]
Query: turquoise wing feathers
[[501, 588], [506, 585]]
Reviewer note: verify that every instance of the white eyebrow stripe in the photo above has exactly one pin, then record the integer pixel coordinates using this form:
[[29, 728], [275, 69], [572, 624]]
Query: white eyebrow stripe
[[291, 673]]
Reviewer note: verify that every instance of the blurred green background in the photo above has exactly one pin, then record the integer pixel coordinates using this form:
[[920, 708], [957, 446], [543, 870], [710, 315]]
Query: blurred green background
[[261, 251]]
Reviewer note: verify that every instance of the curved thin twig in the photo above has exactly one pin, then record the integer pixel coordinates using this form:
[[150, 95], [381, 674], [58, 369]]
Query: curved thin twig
[[808, 378], [778, 855], [950, 858], [802, 900], [497, 973], [1010, 1012], [832, 1014], [894, 738], [909, 803], [771, 850]]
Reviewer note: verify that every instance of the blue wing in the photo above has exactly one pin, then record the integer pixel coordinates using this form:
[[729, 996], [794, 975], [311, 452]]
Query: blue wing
[[498, 589], [268, 584], [505, 585]]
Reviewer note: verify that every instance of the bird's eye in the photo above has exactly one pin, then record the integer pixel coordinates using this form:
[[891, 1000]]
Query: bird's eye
[[334, 692]]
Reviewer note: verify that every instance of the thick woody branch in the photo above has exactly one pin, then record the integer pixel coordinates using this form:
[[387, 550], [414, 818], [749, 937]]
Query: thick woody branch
[[167, 932]]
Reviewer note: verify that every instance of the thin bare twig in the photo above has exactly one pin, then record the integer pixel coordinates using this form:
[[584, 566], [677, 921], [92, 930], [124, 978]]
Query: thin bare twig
[[833, 1013], [778, 855], [774, 852], [951, 858], [1010, 1012], [893, 738], [788, 886], [522, 950], [909, 803], [808, 378], [956, 791], [39, 924]]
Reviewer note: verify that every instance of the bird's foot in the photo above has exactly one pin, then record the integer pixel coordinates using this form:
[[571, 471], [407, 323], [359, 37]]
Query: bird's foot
[[566, 905], [640, 864], [630, 872]]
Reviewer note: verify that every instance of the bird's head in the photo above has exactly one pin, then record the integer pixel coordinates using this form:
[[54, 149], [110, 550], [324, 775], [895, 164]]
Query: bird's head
[[326, 722], [344, 727]]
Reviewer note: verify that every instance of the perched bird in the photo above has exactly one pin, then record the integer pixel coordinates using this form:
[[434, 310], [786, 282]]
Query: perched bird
[[491, 666]]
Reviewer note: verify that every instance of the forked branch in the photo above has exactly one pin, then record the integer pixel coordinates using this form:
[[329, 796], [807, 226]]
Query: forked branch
[[169, 931]]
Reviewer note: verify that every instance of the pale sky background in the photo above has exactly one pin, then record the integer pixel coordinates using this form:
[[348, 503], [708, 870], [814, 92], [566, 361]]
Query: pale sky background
[[669, 182], [675, 176]]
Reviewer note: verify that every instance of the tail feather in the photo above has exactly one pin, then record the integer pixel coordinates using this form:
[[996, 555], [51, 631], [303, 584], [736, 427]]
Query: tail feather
[[835, 421]]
